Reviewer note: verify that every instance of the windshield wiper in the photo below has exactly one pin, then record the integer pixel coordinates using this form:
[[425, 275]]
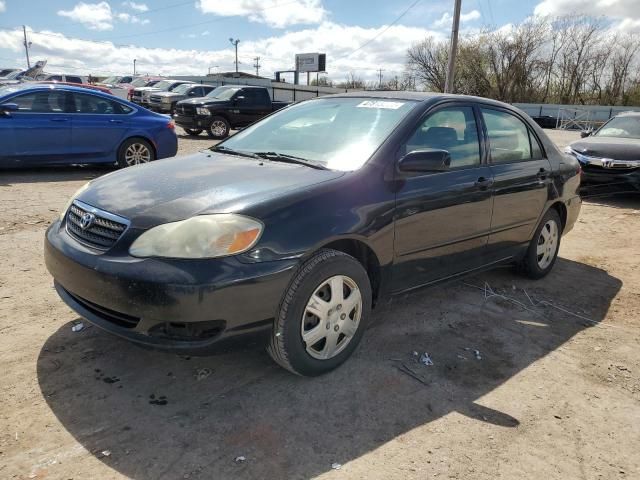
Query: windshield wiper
[[283, 157], [231, 151]]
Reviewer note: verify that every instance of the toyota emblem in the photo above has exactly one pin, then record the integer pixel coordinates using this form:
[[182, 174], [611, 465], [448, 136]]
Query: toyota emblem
[[86, 220]]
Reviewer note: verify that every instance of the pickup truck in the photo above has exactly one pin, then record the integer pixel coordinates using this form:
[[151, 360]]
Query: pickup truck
[[165, 102], [231, 106]]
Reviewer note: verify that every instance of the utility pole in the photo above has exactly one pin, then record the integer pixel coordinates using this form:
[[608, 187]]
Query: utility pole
[[26, 45], [257, 66], [380, 77], [235, 44], [451, 67], [134, 66]]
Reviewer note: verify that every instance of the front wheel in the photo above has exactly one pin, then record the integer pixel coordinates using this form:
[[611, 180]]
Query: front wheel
[[543, 249], [135, 151], [193, 131], [219, 128], [323, 314]]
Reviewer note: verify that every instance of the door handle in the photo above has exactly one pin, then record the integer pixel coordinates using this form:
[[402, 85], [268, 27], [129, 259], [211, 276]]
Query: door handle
[[115, 121], [59, 119], [483, 183]]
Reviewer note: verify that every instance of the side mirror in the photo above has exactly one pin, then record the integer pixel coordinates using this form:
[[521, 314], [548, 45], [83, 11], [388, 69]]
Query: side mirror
[[9, 107], [239, 98], [426, 160], [585, 133]]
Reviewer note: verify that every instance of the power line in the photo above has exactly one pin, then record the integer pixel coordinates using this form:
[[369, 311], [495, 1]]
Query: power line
[[382, 32]]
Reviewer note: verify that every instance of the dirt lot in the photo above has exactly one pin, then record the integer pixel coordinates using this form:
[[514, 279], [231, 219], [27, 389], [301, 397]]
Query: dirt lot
[[555, 393]]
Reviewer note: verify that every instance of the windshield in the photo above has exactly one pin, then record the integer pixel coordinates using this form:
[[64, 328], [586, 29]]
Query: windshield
[[111, 80], [163, 85], [139, 82], [337, 133], [13, 75], [624, 127], [182, 88], [223, 93]]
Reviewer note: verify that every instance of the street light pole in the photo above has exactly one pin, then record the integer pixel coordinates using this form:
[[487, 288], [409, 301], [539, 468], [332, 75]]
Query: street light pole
[[26, 45], [235, 44], [451, 67], [134, 66], [212, 66]]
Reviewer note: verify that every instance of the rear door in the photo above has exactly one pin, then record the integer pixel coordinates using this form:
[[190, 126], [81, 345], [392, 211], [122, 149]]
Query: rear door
[[98, 128], [442, 220], [40, 129], [521, 174]]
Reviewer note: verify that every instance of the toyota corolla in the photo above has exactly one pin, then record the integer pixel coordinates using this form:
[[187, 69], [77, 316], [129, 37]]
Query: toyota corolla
[[292, 230]]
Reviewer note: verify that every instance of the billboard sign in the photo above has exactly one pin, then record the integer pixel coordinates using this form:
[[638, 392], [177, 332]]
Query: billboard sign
[[311, 62]]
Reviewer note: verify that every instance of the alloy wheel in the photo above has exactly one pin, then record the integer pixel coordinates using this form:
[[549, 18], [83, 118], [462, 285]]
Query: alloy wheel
[[547, 244], [218, 128], [136, 154], [331, 317]]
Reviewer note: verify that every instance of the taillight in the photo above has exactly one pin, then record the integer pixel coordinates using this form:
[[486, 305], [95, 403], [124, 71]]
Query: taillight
[[171, 125]]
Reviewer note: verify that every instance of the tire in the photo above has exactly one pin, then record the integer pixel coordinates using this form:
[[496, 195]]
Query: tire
[[543, 249], [193, 131], [135, 151], [328, 334], [219, 128]]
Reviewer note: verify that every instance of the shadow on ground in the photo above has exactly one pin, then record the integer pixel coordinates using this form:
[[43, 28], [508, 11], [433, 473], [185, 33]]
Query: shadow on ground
[[53, 174], [110, 394]]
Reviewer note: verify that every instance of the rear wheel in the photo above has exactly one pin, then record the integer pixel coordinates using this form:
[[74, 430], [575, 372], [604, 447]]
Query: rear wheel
[[193, 131], [219, 128], [543, 249], [323, 314], [135, 151]]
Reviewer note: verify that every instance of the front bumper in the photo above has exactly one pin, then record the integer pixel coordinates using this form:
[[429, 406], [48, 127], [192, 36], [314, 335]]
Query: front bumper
[[592, 174], [160, 107], [194, 122], [182, 305]]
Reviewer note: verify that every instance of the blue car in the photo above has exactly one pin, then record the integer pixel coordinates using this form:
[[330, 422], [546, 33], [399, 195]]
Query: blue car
[[54, 124]]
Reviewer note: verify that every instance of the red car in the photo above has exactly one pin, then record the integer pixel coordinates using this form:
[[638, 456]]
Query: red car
[[83, 85]]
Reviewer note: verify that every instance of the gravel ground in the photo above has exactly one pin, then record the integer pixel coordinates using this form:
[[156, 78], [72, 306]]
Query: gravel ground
[[554, 394]]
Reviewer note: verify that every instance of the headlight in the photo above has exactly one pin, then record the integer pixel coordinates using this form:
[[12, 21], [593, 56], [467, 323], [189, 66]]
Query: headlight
[[203, 236], [202, 111], [569, 150], [73, 197], [166, 100]]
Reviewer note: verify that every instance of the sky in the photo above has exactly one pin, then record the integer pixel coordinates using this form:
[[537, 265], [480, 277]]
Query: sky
[[173, 37]]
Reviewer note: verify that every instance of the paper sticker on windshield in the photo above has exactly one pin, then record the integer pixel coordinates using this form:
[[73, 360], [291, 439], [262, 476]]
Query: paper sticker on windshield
[[380, 104]]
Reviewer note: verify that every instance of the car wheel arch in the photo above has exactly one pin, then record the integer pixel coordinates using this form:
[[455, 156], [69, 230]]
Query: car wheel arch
[[141, 137], [363, 253], [561, 208]]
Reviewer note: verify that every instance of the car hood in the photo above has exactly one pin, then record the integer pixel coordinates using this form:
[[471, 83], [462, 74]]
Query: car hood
[[168, 94], [146, 89], [609, 147], [203, 101], [207, 182]]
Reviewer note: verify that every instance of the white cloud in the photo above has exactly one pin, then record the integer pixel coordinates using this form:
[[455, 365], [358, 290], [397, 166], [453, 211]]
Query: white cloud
[[95, 16], [446, 19], [138, 7], [387, 51], [205, 33], [624, 13], [275, 13], [128, 18], [3, 6]]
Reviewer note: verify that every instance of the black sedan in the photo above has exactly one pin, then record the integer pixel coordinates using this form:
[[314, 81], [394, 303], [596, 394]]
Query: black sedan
[[296, 227], [611, 154]]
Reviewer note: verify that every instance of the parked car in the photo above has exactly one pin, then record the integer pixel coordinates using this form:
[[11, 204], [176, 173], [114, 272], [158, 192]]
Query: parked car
[[14, 78], [142, 82], [6, 71], [225, 108], [165, 102], [63, 78], [82, 85], [116, 81], [141, 95], [611, 154], [58, 124], [295, 227]]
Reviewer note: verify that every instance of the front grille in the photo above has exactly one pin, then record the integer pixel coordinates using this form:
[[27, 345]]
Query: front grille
[[156, 98], [118, 318], [186, 109], [102, 232]]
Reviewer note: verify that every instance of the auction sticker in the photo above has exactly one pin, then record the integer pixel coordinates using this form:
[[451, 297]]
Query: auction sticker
[[380, 104]]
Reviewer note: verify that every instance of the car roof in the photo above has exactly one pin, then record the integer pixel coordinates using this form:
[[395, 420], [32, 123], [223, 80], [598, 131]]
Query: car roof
[[629, 113], [26, 87], [416, 96]]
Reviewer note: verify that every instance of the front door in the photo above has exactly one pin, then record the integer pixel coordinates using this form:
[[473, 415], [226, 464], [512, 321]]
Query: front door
[[442, 220], [521, 176], [41, 128]]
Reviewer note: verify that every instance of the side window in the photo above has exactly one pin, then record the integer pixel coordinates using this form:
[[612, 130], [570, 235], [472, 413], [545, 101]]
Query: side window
[[207, 90], [249, 97], [536, 149], [73, 79], [91, 104], [508, 137], [453, 129], [195, 92], [41, 102], [55, 78], [126, 80]]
